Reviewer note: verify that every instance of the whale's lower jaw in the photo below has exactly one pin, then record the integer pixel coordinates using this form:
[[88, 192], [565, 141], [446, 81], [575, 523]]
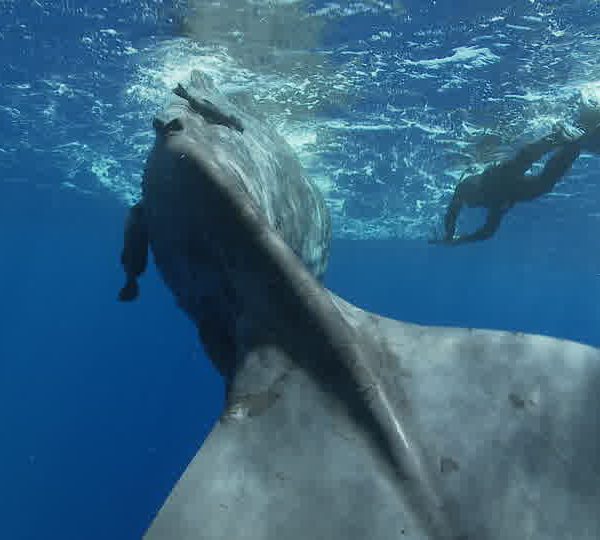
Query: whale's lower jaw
[[187, 252]]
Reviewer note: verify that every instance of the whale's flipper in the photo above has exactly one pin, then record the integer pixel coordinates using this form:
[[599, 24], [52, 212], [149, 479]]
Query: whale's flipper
[[341, 424], [510, 422], [134, 256]]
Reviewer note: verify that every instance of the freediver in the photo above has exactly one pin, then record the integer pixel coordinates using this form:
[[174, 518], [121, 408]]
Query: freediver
[[500, 187]]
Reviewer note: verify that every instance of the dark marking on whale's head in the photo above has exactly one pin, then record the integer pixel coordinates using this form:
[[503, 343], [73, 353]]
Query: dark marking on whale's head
[[209, 111]]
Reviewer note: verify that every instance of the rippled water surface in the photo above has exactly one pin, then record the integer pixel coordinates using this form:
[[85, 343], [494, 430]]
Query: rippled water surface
[[387, 103]]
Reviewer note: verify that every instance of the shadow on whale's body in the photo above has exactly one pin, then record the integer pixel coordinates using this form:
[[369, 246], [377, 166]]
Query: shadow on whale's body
[[340, 424]]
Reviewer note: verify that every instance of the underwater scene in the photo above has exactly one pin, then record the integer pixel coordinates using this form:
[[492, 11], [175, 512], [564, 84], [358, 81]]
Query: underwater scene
[[295, 269]]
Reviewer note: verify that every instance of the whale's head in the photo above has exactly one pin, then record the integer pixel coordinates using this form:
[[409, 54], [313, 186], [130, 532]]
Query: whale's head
[[214, 198]]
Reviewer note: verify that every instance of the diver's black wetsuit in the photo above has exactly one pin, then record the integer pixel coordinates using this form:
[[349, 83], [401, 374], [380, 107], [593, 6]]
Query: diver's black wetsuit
[[500, 187]]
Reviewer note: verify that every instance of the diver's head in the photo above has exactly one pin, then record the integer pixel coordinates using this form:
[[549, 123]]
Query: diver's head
[[589, 106]]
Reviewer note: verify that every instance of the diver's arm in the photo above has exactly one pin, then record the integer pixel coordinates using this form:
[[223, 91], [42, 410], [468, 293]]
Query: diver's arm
[[491, 225], [450, 219]]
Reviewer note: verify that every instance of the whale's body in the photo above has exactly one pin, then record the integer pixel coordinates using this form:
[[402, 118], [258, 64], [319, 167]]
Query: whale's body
[[341, 424]]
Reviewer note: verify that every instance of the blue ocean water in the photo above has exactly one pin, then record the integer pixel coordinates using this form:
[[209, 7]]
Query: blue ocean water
[[103, 404]]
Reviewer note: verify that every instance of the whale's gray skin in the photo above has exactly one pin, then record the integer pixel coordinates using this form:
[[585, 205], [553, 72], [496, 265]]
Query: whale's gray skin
[[341, 424], [510, 422]]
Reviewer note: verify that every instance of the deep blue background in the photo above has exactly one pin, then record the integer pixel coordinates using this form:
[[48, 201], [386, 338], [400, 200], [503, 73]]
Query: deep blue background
[[102, 404]]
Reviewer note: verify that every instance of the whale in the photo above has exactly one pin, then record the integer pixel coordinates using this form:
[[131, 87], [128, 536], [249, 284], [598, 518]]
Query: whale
[[339, 423]]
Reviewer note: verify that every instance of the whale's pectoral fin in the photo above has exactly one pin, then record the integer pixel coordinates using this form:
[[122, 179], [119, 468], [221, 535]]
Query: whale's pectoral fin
[[130, 291], [509, 422], [134, 256]]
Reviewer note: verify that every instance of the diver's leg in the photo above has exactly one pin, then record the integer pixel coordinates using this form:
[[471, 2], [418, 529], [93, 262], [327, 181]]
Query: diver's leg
[[556, 167], [134, 256], [452, 214]]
